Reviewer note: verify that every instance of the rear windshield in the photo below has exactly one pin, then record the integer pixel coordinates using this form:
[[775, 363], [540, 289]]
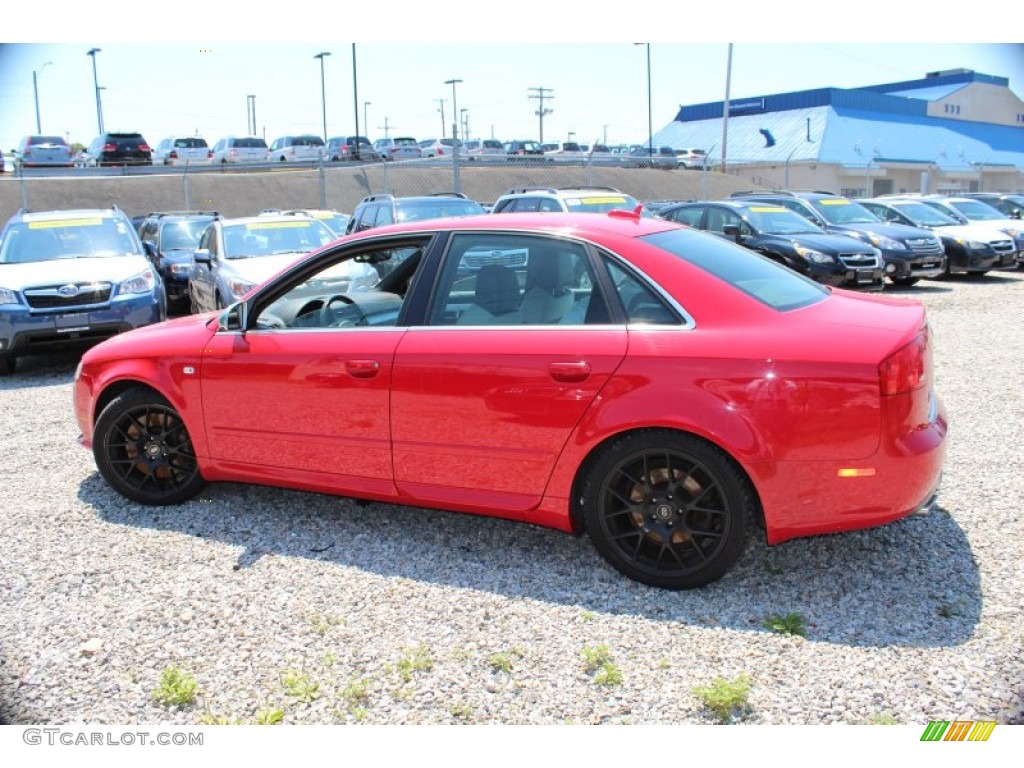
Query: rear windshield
[[260, 143], [190, 143], [442, 207], [309, 141], [33, 140], [405, 143], [771, 284]]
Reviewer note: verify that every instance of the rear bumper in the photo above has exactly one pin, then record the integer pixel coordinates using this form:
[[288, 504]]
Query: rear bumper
[[809, 498]]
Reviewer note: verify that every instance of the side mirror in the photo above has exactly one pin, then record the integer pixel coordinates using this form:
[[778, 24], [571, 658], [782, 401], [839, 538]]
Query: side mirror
[[732, 230], [150, 248], [1015, 213], [202, 256], [234, 318]]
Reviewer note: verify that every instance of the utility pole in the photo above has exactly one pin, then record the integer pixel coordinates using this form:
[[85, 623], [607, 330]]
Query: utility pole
[[540, 95], [386, 127]]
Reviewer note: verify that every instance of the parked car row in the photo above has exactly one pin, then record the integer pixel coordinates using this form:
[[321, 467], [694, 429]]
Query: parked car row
[[855, 243], [113, 149], [201, 261]]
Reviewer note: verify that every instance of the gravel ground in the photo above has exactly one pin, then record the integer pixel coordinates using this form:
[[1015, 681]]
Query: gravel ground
[[331, 611]]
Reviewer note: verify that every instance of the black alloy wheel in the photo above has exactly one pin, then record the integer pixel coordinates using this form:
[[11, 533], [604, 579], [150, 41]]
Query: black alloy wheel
[[143, 450], [667, 509]]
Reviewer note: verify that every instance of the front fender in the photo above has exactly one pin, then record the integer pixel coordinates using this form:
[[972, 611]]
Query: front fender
[[175, 378]]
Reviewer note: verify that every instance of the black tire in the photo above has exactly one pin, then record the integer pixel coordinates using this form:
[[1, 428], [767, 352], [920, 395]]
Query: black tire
[[6, 365], [905, 282], [143, 450], [667, 509]]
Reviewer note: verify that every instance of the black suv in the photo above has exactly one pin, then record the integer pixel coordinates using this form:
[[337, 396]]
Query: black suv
[[119, 149], [170, 237], [378, 210], [910, 253], [788, 238]]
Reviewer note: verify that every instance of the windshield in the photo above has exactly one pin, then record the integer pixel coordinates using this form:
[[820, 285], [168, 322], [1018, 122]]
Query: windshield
[[182, 235], [922, 213], [68, 239], [772, 284], [437, 209], [269, 238], [841, 211], [603, 204], [776, 220], [978, 211]]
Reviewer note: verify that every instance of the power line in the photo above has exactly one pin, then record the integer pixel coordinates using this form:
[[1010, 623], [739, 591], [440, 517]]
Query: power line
[[540, 95]]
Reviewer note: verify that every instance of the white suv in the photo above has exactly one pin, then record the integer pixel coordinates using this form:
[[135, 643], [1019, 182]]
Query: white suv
[[182, 150], [240, 149], [566, 200], [297, 149]]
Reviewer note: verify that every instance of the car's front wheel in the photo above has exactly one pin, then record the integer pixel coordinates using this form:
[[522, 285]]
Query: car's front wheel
[[667, 509], [144, 451]]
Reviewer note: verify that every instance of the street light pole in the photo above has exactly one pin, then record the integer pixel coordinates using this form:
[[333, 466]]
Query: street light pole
[[355, 101], [250, 114], [456, 177], [323, 89], [650, 118], [366, 120], [96, 83], [35, 90], [455, 110]]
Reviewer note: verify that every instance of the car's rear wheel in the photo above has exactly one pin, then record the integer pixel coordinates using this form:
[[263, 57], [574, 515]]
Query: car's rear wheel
[[143, 449], [6, 365], [667, 509]]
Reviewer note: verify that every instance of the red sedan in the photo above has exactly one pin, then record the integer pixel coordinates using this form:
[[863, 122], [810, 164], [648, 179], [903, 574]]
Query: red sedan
[[654, 386]]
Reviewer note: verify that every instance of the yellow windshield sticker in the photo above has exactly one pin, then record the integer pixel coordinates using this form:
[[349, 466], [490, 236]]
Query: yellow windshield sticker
[[602, 200], [778, 209], [838, 201], [65, 223], [278, 225], [323, 215]]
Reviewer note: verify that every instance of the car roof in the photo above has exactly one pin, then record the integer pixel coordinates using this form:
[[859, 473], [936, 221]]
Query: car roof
[[264, 218], [563, 191], [616, 223]]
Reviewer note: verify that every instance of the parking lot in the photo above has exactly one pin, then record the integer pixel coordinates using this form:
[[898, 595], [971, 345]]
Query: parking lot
[[327, 610]]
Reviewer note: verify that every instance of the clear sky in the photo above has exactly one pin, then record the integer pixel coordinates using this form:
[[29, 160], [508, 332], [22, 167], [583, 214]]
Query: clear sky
[[592, 72]]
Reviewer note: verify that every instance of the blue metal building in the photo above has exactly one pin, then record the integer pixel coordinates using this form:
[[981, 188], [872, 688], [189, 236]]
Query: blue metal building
[[952, 131]]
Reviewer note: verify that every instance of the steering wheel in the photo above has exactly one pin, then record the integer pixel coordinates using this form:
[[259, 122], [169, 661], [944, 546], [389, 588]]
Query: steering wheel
[[329, 315]]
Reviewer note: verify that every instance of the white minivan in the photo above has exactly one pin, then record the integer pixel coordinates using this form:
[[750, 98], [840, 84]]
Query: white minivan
[[240, 149]]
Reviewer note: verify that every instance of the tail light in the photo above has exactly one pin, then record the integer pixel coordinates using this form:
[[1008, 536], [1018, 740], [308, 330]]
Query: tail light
[[907, 368], [173, 155], [144, 148], [209, 154], [109, 148], [234, 153]]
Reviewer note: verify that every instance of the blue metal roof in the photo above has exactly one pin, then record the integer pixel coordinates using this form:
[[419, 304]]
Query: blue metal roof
[[852, 137], [929, 94], [851, 127]]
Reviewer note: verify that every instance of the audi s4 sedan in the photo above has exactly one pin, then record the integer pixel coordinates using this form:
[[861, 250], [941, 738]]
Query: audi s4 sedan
[[661, 389]]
